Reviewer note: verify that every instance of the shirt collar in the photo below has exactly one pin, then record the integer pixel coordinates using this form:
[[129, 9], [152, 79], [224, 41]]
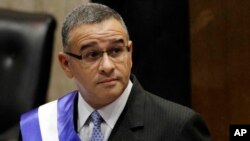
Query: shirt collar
[[109, 113], [84, 111]]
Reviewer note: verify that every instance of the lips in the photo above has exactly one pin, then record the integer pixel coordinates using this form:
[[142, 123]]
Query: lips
[[106, 80]]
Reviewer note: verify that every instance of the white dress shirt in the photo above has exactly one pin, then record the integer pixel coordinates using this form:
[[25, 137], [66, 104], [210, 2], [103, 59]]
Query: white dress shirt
[[109, 113]]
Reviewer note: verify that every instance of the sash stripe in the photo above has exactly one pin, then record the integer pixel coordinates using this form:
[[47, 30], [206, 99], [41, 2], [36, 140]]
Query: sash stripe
[[29, 125], [53, 121], [65, 110], [48, 121]]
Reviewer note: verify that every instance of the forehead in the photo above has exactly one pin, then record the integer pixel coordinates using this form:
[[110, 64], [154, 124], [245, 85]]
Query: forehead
[[107, 30]]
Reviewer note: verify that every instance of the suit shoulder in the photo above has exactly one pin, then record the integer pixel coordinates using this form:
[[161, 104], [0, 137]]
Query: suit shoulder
[[175, 120], [167, 108]]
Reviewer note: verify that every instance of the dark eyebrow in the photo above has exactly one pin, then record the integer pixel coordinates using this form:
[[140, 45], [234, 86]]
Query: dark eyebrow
[[118, 41], [88, 45], [94, 44]]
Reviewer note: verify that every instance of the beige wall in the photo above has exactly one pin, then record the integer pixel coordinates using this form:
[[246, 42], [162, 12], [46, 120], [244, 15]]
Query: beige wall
[[59, 84]]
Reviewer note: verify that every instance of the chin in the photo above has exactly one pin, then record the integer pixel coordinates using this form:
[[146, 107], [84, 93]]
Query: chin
[[113, 94]]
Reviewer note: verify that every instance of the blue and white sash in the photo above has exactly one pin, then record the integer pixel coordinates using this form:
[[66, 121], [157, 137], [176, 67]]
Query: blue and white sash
[[51, 122]]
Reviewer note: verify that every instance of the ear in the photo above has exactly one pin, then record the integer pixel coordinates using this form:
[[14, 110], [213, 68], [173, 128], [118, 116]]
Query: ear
[[64, 62], [130, 46]]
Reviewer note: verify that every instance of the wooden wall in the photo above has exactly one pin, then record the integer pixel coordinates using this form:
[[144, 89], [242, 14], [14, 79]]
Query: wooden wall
[[220, 50]]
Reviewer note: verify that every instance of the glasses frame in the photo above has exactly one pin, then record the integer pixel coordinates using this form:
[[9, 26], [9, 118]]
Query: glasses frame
[[80, 57]]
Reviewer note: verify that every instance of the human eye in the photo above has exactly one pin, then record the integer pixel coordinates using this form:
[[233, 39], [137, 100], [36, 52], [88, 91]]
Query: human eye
[[92, 55], [115, 51]]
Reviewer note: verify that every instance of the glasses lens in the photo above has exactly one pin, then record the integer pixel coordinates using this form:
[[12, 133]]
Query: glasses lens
[[116, 54]]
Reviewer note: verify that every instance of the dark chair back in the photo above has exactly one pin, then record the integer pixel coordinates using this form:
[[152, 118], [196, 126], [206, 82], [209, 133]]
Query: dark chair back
[[26, 44]]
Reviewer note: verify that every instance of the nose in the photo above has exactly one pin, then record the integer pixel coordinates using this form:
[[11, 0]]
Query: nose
[[106, 65]]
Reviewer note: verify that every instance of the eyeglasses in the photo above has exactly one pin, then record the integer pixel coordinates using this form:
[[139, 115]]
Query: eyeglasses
[[91, 56]]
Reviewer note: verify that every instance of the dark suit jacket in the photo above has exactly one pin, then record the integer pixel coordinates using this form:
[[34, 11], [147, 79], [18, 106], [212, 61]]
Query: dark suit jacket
[[147, 117]]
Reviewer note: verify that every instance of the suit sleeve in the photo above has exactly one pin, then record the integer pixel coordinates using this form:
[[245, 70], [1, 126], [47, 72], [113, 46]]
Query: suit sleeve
[[195, 129]]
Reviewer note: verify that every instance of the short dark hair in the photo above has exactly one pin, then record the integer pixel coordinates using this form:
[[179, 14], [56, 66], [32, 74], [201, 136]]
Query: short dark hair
[[89, 13]]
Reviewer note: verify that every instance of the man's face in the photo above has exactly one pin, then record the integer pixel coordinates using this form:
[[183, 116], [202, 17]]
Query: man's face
[[100, 80]]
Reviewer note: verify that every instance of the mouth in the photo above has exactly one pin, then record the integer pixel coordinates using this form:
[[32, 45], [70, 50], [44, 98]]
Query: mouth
[[107, 81]]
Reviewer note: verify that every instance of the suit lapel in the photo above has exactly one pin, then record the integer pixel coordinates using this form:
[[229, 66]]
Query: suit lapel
[[130, 123]]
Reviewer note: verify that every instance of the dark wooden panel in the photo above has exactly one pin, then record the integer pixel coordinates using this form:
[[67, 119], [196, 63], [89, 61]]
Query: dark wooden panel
[[220, 48]]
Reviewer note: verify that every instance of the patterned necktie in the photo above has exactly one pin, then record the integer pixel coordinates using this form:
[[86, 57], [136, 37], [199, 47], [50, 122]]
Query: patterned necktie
[[96, 133]]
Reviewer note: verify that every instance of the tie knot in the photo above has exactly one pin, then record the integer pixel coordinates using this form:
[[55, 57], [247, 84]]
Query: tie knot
[[96, 118]]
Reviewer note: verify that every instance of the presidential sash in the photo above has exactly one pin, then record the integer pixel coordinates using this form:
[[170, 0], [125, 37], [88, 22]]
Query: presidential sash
[[51, 122]]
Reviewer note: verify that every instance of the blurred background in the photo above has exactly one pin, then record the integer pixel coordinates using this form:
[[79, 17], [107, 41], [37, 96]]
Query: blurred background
[[208, 53]]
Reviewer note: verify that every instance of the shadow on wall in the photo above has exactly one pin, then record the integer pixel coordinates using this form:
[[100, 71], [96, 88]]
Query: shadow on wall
[[159, 30]]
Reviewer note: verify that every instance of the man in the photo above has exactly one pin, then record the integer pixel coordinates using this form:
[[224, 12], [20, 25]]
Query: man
[[109, 104]]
